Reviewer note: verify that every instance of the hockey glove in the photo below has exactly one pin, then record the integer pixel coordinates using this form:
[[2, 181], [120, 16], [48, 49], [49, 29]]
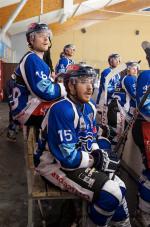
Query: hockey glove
[[98, 159], [104, 161], [110, 162]]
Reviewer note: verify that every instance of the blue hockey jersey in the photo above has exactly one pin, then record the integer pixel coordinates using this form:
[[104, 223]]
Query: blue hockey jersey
[[62, 64], [143, 82], [129, 84], [33, 86], [71, 133], [113, 83]]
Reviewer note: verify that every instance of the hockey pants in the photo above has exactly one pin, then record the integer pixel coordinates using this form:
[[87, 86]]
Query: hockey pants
[[106, 196]]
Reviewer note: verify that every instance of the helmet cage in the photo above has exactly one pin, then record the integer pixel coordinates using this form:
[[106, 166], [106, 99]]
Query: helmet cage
[[83, 79]]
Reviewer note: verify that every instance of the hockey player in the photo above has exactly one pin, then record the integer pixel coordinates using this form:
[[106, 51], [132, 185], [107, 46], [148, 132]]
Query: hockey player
[[75, 161], [129, 84], [122, 107], [141, 135], [35, 88], [114, 61], [11, 133], [65, 58]]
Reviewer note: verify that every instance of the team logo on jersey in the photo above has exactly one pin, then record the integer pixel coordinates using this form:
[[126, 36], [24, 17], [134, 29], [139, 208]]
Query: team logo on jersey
[[85, 142], [46, 86], [91, 116], [82, 124], [94, 129]]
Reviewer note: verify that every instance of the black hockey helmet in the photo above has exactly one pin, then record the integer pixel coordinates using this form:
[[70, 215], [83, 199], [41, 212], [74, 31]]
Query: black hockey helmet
[[114, 55], [38, 27], [79, 70]]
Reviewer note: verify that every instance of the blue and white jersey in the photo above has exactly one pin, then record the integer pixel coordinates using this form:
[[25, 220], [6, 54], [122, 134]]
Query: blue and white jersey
[[113, 83], [129, 85], [71, 133], [143, 82], [62, 64], [33, 85]]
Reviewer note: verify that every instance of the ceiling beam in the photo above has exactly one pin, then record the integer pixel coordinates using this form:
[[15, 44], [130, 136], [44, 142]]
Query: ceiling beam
[[31, 9], [67, 11], [84, 20], [12, 17]]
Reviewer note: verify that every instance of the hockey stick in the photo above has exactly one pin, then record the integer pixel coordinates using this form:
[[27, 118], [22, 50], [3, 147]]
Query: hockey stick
[[113, 72], [131, 122]]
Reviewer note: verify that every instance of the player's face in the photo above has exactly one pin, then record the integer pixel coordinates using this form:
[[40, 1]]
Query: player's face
[[84, 89], [114, 62], [133, 71], [70, 52], [40, 42]]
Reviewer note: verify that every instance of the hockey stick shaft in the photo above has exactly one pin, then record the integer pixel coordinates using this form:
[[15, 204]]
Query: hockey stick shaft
[[131, 122], [112, 73]]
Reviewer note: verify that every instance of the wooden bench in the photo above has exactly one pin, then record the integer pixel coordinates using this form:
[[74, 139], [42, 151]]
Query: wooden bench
[[38, 189]]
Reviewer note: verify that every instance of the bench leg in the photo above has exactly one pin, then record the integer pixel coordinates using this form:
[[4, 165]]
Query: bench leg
[[30, 213], [84, 213], [42, 213]]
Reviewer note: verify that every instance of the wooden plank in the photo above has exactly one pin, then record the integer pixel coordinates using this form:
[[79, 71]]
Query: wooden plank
[[31, 9], [53, 191], [38, 187]]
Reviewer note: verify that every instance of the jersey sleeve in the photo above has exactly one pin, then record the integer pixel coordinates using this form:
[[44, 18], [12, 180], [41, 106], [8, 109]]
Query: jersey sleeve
[[62, 65], [129, 83], [36, 74], [62, 137], [143, 83], [101, 85]]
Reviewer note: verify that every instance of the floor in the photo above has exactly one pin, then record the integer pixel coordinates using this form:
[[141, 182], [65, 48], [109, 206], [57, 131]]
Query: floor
[[13, 187]]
